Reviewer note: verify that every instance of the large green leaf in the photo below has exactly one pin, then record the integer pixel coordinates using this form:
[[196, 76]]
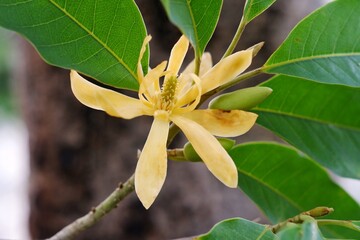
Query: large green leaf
[[254, 8], [283, 183], [324, 47], [101, 39], [321, 120], [197, 19], [238, 228], [305, 231]]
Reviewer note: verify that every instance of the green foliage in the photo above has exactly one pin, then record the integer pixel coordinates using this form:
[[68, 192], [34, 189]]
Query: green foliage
[[314, 105], [6, 100], [324, 47], [238, 228], [101, 39], [196, 19], [306, 231], [254, 8], [319, 119], [243, 99], [283, 182]]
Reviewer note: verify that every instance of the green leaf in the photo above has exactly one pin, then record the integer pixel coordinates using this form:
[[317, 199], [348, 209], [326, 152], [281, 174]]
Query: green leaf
[[196, 19], [238, 228], [352, 227], [284, 183], [319, 119], [254, 8], [305, 231], [324, 47], [101, 39]]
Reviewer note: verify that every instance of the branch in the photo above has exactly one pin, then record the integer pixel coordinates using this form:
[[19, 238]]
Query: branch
[[97, 213], [313, 213]]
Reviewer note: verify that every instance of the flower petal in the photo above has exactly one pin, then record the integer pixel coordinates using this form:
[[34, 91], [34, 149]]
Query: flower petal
[[177, 55], [140, 72], [226, 70], [189, 97], [209, 149], [150, 83], [114, 103], [206, 65], [151, 168], [223, 123]]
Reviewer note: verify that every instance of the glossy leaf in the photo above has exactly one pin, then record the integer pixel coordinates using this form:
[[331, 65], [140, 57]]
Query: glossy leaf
[[254, 8], [319, 119], [305, 231], [196, 19], [284, 183], [342, 225], [324, 47], [238, 228], [101, 39]]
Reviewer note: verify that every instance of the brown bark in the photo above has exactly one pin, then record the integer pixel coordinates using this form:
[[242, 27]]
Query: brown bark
[[79, 155]]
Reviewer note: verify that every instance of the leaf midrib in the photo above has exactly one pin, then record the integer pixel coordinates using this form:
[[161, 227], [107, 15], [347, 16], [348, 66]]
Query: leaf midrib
[[197, 49], [284, 197], [308, 58], [95, 37], [302, 117]]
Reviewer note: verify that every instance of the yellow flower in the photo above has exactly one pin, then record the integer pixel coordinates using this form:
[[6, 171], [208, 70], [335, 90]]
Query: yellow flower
[[175, 102]]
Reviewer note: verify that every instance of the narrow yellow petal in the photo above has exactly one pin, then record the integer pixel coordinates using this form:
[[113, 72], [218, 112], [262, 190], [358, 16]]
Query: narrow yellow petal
[[114, 103], [189, 97], [150, 84], [223, 123], [209, 149], [226, 70], [177, 55], [140, 73], [151, 168], [206, 65]]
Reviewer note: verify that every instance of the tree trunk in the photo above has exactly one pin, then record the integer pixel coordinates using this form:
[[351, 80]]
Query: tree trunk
[[79, 155]]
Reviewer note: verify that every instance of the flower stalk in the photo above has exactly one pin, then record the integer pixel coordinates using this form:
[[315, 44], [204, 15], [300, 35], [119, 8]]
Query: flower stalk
[[236, 38], [311, 214]]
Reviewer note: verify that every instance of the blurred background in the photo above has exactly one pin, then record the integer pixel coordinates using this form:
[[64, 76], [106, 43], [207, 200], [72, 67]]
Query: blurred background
[[14, 157], [59, 158]]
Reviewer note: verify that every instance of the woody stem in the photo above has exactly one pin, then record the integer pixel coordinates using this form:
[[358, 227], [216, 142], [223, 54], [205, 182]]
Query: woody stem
[[96, 213]]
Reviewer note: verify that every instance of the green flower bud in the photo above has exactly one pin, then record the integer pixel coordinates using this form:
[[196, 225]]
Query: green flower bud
[[243, 99], [192, 156]]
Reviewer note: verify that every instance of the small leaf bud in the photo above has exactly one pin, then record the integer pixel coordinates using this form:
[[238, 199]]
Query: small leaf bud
[[243, 99], [191, 155]]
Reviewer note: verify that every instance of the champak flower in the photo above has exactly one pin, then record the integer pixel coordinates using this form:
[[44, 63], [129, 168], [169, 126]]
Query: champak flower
[[175, 101]]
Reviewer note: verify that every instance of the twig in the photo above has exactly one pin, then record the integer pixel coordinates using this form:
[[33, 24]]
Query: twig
[[313, 213], [85, 222], [236, 38]]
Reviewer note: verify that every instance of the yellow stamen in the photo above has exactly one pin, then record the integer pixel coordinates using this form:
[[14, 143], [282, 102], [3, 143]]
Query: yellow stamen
[[167, 97]]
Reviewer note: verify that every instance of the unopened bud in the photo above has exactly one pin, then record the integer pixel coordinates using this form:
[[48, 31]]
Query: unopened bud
[[319, 211], [243, 99], [191, 155]]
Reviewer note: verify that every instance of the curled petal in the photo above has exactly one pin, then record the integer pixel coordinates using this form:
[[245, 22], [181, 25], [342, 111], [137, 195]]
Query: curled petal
[[209, 149], [142, 51], [177, 55], [114, 103], [206, 65], [226, 70], [223, 123], [151, 168], [189, 97], [150, 84]]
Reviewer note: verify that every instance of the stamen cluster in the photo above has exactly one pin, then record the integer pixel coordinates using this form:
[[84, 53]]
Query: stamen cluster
[[168, 93]]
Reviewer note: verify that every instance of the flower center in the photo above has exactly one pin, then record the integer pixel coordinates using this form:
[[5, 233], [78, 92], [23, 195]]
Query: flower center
[[168, 93]]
